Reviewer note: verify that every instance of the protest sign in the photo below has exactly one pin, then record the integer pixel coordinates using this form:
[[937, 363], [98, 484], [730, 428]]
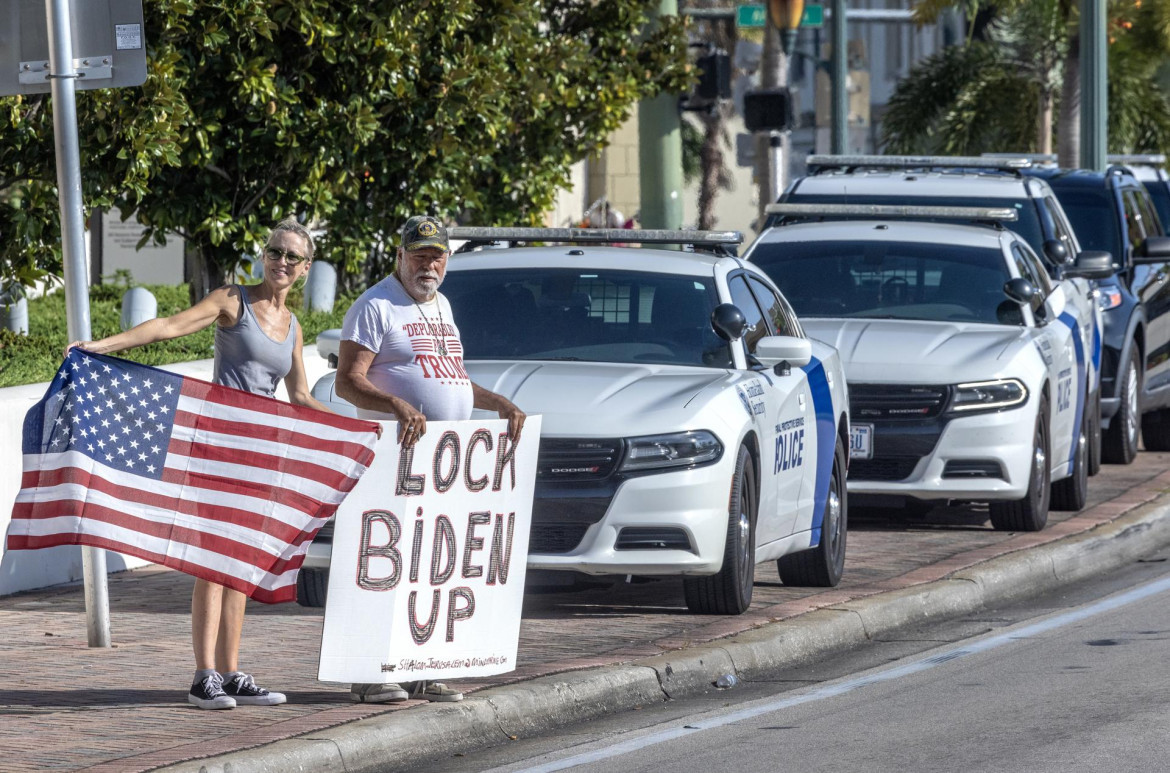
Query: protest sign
[[426, 579]]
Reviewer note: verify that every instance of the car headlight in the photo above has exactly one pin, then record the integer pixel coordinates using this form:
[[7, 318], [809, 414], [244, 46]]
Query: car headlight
[[679, 449], [989, 395], [1108, 299]]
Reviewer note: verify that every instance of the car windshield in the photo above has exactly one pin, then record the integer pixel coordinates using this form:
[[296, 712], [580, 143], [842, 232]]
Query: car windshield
[[584, 314], [1027, 223], [890, 280], [1093, 217]]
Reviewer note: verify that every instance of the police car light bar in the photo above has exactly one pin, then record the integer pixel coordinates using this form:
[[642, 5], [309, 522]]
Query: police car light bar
[[482, 235], [917, 162], [865, 211], [1155, 159], [1035, 158]]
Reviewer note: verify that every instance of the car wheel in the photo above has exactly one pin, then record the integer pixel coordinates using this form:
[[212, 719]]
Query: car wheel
[[822, 566], [1119, 446], [312, 585], [1031, 512], [1071, 492], [1095, 434], [1156, 430], [730, 591]]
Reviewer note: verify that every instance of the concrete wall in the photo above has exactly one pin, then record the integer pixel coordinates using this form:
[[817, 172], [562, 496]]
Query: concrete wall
[[27, 569]]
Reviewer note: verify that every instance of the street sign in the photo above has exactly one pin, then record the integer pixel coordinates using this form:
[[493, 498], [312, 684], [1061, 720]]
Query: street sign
[[755, 16], [108, 44]]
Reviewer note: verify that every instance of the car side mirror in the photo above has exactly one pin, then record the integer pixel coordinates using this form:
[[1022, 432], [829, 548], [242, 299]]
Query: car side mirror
[[1020, 290], [773, 350], [1056, 252], [1154, 249], [1092, 264], [729, 322]]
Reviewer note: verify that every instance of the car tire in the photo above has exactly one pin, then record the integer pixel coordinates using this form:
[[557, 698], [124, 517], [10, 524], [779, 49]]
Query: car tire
[[312, 585], [1031, 512], [1094, 409], [823, 565], [1119, 445], [1156, 430], [1072, 492], [730, 591]]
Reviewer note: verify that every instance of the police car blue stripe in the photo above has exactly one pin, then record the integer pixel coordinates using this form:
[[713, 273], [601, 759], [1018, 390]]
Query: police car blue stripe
[[1079, 349], [826, 442], [1097, 349]]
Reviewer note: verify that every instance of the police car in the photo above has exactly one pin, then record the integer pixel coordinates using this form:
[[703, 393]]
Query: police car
[[990, 181], [689, 427], [968, 370]]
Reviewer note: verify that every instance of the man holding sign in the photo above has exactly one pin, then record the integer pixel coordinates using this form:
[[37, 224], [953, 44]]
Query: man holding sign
[[401, 358]]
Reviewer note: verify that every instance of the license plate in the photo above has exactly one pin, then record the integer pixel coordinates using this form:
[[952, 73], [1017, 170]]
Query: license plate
[[861, 441]]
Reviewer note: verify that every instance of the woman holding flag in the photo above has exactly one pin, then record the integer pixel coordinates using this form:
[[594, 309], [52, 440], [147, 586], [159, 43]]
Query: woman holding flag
[[257, 343]]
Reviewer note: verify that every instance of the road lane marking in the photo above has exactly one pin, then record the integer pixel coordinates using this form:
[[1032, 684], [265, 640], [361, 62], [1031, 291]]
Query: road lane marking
[[842, 687]]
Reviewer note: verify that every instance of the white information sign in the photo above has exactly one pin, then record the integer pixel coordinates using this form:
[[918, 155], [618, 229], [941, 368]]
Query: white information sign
[[426, 580]]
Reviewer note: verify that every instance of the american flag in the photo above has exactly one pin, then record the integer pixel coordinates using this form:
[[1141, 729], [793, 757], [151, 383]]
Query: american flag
[[215, 482]]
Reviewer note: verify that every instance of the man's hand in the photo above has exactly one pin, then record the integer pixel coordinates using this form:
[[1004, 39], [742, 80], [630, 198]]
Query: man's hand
[[515, 418], [412, 424]]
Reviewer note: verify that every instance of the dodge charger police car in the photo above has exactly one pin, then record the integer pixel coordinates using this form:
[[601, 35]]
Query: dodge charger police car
[[979, 182], [967, 370], [689, 427]]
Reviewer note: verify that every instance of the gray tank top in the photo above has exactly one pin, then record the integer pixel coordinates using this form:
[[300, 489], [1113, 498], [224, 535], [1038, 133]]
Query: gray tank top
[[246, 358]]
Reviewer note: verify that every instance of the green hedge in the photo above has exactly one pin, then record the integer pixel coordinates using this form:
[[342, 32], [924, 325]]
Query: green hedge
[[35, 357]]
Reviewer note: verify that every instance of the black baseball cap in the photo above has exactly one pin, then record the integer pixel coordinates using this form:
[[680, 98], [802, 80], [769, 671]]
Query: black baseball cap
[[424, 231]]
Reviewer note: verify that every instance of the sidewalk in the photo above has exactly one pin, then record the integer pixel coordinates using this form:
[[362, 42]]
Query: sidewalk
[[67, 707]]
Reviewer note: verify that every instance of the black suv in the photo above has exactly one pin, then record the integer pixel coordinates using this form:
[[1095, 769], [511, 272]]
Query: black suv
[[1112, 211]]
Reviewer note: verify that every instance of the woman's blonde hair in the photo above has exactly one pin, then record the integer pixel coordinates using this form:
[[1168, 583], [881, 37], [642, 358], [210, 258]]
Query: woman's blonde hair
[[291, 225]]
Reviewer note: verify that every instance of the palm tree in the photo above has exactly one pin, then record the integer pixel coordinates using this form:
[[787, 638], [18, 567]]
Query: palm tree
[[1001, 93]]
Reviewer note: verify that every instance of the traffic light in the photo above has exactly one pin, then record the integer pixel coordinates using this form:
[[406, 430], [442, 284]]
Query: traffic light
[[714, 77], [767, 110]]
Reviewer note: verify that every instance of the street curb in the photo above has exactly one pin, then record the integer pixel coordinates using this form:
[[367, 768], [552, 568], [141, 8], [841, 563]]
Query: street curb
[[495, 715]]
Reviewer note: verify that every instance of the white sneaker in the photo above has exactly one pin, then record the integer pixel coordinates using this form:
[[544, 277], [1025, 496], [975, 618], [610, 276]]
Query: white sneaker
[[436, 692], [377, 693]]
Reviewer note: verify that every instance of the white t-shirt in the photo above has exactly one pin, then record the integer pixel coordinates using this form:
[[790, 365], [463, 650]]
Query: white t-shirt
[[409, 340]]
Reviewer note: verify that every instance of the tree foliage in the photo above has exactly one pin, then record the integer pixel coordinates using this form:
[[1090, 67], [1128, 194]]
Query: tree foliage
[[350, 114], [987, 95]]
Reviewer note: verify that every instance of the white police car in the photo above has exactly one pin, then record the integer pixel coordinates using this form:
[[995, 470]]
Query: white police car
[[689, 426], [992, 181], [968, 372]]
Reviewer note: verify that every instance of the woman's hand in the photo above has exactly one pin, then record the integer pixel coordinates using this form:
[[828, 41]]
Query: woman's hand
[[78, 344]]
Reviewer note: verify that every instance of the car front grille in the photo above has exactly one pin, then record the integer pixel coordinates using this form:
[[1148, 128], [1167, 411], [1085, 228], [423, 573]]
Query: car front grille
[[896, 402], [890, 468], [556, 537], [577, 459]]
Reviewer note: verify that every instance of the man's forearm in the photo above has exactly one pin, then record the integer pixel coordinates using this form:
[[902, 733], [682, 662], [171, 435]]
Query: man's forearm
[[362, 394], [489, 401]]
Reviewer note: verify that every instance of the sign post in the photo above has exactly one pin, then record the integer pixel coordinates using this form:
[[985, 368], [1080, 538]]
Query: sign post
[[38, 56]]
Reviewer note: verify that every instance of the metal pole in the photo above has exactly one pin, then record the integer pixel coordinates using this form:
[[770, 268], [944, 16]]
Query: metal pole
[[771, 166], [660, 151], [775, 162], [839, 131], [63, 89], [1094, 107]]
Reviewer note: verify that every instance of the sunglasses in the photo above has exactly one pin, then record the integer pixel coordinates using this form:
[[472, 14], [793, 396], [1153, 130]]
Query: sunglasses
[[291, 258]]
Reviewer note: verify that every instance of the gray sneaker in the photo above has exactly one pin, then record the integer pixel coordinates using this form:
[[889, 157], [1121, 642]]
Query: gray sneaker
[[377, 693], [208, 693], [436, 692]]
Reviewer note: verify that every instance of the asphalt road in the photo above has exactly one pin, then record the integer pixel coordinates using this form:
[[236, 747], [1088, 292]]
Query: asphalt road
[[1071, 682]]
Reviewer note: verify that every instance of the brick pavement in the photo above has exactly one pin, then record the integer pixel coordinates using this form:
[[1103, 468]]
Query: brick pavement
[[64, 706]]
